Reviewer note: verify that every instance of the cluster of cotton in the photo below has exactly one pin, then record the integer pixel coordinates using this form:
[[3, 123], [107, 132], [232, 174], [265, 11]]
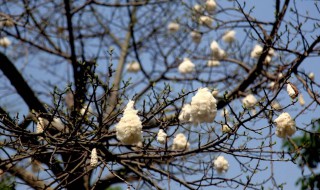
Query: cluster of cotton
[[221, 164], [249, 101], [203, 107], [196, 36], [185, 114], [205, 20], [186, 66], [129, 128], [226, 129], [161, 137], [94, 158], [180, 142], [271, 85], [213, 63], [311, 76], [229, 36], [275, 105], [301, 100], [133, 67], [257, 51], [197, 8], [210, 5], [217, 52], [5, 42], [215, 93], [285, 125], [292, 90], [173, 27]]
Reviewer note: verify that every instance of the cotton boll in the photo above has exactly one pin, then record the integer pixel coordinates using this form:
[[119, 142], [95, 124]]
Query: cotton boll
[[40, 125], [173, 27], [205, 20], [256, 52], [229, 36], [311, 76], [280, 75], [292, 90], [196, 36], [133, 67], [271, 85], [213, 63], [161, 137], [180, 142], [5, 42], [285, 125], [211, 5], [128, 130], [197, 8], [271, 52], [214, 46], [226, 129], [301, 100], [221, 164], [221, 55], [268, 59], [186, 66], [94, 158], [203, 107], [275, 105], [215, 93], [249, 101], [185, 114]]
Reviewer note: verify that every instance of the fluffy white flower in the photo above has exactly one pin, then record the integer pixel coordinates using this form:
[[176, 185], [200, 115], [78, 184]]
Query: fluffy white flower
[[285, 125], [311, 76], [275, 105], [161, 137], [196, 36], [185, 114], [249, 101], [225, 113], [215, 92], [129, 128], [180, 142], [301, 100], [211, 5], [271, 85], [197, 8], [205, 20], [226, 129], [216, 50], [271, 52], [186, 66], [229, 36], [133, 67], [173, 27], [292, 91], [94, 158], [203, 107], [280, 75], [221, 164], [5, 42], [256, 52], [268, 59], [213, 63]]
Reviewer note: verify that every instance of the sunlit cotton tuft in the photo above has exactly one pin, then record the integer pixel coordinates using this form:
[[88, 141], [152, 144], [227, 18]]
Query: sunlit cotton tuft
[[221, 164], [186, 66], [196, 36], [285, 125], [217, 52], [211, 5], [94, 158], [161, 137], [205, 20], [256, 52], [128, 130], [249, 101], [5, 42], [173, 27], [185, 114], [213, 63], [229, 36], [133, 67], [180, 142], [292, 91]]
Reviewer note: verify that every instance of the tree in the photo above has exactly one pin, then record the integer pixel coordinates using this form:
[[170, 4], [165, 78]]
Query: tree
[[98, 93]]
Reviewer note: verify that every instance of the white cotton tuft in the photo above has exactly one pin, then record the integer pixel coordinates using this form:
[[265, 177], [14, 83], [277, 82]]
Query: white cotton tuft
[[226, 129], [225, 113], [180, 142], [196, 36], [40, 125], [292, 91], [128, 130], [275, 105], [256, 52], [285, 125], [94, 158], [271, 85], [5, 42], [213, 63], [205, 20], [221, 164], [133, 67], [217, 52], [268, 59], [86, 110], [186, 66], [211, 5], [215, 93], [311, 76], [229, 36], [301, 100], [185, 114], [161, 137], [173, 27], [203, 107], [197, 8], [249, 101]]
